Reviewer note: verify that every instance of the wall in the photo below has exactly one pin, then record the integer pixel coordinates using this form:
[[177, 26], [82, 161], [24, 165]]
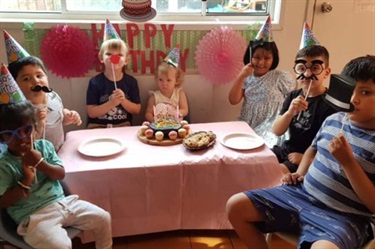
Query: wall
[[208, 103]]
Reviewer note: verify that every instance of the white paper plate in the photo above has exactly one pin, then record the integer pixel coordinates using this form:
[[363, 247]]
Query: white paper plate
[[242, 141], [99, 147]]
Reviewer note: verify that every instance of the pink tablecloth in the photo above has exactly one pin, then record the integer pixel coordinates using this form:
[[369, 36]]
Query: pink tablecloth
[[149, 188]]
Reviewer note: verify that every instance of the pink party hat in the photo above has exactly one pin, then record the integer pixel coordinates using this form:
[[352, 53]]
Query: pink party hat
[[265, 32], [10, 92], [307, 38], [14, 50], [110, 32], [173, 57]]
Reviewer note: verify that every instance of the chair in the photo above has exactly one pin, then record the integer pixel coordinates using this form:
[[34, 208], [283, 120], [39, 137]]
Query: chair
[[293, 239], [8, 229]]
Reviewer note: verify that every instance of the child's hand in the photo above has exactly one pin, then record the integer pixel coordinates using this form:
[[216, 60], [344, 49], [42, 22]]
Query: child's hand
[[341, 150], [117, 96], [297, 105], [72, 117], [41, 114], [291, 179], [295, 157], [246, 70]]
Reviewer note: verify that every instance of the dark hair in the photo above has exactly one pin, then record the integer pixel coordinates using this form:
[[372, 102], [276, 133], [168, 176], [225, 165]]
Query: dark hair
[[314, 51], [268, 46], [361, 68], [15, 115], [16, 66]]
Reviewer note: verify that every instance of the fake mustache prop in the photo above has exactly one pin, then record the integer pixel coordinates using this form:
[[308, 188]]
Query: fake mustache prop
[[39, 88], [303, 77]]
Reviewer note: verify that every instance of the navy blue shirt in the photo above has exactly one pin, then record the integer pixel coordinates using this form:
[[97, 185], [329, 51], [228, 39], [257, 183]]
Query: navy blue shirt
[[99, 91]]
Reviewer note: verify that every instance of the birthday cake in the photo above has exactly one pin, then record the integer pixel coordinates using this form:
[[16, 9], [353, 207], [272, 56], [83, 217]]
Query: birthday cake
[[137, 7], [164, 130]]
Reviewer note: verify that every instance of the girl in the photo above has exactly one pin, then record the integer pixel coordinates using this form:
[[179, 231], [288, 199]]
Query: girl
[[169, 82], [262, 88]]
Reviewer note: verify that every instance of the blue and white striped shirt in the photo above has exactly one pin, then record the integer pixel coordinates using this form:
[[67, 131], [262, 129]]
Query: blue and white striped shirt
[[326, 180]]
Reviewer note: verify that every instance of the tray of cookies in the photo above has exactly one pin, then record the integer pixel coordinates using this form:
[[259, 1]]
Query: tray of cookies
[[199, 140]]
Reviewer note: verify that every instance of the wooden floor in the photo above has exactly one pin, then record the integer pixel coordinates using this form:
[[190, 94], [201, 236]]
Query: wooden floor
[[184, 239]]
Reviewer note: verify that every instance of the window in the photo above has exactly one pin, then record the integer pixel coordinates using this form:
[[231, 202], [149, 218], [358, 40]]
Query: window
[[192, 10]]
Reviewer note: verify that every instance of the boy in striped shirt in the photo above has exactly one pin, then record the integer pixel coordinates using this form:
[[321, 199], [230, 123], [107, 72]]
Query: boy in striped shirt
[[329, 200]]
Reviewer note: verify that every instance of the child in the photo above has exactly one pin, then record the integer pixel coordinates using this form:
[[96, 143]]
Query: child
[[112, 96], [169, 81], [262, 88], [304, 110], [329, 200], [30, 74], [29, 185]]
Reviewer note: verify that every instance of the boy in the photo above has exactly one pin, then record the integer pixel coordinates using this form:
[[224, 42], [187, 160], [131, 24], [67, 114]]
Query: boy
[[30, 74], [29, 180], [329, 200], [304, 110], [112, 96]]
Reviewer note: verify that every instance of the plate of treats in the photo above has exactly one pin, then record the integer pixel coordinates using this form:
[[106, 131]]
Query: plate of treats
[[199, 140], [100, 147], [242, 141]]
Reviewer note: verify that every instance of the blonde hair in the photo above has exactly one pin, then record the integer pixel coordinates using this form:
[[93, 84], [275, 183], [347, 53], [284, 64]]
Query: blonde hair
[[165, 67], [113, 44]]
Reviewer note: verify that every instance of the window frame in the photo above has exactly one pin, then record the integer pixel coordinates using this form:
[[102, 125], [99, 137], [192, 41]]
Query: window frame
[[178, 18]]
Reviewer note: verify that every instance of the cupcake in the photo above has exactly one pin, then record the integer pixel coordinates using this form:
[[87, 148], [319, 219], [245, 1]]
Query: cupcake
[[184, 122], [172, 135], [143, 129], [149, 133], [181, 132], [146, 123], [159, 135], [187, 128]]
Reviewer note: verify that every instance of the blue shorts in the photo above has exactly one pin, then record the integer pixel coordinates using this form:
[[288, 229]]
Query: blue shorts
[[291, 209]]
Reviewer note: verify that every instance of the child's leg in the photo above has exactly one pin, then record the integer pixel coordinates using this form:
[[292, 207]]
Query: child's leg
[[89, 217], [242, 214], [324, 244], [43, 229]]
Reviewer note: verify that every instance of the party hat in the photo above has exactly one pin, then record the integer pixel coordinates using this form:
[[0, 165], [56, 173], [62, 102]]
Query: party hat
[[265, 32], [307, 38], [173, 57], [110, 32], [10, 92], [14, 50]]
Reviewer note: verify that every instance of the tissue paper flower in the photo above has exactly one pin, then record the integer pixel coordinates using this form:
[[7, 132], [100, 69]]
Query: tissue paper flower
[[219, 55], [67, 51]]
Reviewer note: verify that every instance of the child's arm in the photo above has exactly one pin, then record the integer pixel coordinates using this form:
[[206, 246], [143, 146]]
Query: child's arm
[[129, 106], [236, 93], [183, 106], [71, 117], [282, 123], [362, 185], [32, 157], [20, 190], [41, 115], [149, 115], [94, 111], [295, 178]]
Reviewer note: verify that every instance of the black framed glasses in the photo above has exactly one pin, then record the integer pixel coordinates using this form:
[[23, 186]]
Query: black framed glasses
[[315, 68], [21, 133]]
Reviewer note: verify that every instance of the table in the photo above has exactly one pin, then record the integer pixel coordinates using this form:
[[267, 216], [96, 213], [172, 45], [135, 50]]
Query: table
[[148, 188]]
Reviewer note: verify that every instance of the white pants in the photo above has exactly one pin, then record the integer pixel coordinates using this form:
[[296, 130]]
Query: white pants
[[45, 228]]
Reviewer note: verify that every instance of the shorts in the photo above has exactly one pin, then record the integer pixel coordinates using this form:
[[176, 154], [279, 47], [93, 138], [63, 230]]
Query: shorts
[[291, 209], [282, 157]]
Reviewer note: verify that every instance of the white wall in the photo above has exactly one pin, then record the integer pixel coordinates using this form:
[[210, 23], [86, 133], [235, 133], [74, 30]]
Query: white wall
[[208, 103]]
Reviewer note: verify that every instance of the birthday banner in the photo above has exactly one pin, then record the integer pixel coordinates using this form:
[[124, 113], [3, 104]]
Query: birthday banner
[[148, 43]]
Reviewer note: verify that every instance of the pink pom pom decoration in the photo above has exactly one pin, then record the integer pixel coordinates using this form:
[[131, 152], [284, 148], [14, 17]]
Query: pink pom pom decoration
[[67, 51], [219, 55]]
